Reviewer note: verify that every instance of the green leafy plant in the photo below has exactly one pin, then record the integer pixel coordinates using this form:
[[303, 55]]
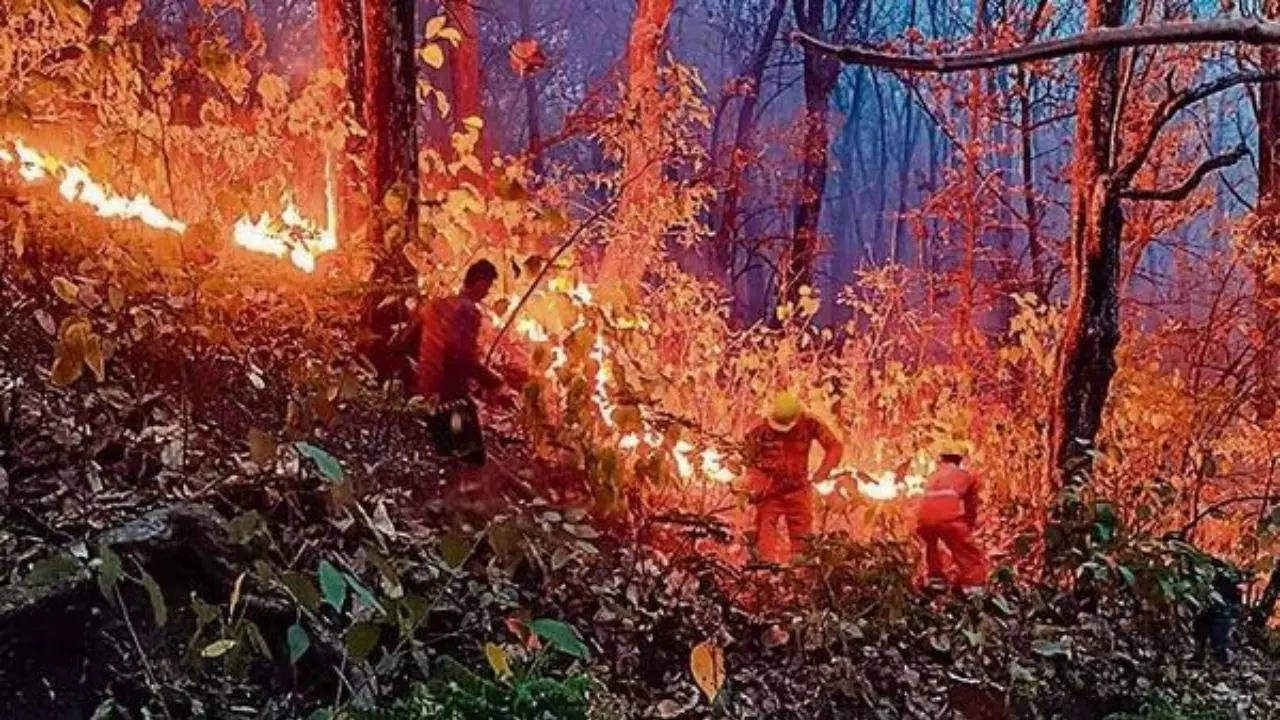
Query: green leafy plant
[[520, 691]]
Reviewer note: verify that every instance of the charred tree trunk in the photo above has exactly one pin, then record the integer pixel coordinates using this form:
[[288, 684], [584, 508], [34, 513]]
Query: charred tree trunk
[[1267, 291], [739, 156], [532, 119], [1025, 84], [820, 73], [1086, 355], [342, 44], [389, 106]]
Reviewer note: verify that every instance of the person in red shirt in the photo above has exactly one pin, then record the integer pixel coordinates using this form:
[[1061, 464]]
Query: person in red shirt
[[777, 458], [948, 516], [449, 362]]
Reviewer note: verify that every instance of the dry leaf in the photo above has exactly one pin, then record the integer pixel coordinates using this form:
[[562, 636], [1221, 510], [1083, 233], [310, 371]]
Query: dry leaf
[[432, 55], [434, 26], [89, 297], [45, 320], [65, 289], [526, 56], [19, 239], [497, 657], [115, 296], [262, 447], [382, 521], [706, 661], [668, 709], [65, 371]]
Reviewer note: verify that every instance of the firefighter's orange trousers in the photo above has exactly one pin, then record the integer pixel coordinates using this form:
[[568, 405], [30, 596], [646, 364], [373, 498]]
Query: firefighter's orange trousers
[[796, 509], [968, 555]]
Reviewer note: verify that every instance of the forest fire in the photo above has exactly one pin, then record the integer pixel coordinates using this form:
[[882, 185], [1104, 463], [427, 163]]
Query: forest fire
[[292, 236], [77, 186], [295, 236], [707, 463]]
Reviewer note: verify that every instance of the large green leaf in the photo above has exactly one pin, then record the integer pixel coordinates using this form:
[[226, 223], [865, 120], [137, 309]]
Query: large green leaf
[[455, 549], [361, 639], [327, 464], [109, 572], [299, 642], [561, 636], [159, 610], [333, 584], [303, 589], [363, 593], [217, 648]]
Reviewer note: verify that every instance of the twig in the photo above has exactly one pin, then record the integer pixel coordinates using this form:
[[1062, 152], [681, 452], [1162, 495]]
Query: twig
[[142, 654], [546, 267]]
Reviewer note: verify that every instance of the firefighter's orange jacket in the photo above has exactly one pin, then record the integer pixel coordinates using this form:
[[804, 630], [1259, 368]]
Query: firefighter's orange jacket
[[950, 494]]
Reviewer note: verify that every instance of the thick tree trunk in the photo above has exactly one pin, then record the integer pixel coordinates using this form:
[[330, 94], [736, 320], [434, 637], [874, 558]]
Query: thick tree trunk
[[532, 119], [389, 113], [812, 183], [648, 29], [342, 44], [390, 93], [1086, 355], [464, 67], [727, 228], [820, 73], [1267, 292], [626, 257]]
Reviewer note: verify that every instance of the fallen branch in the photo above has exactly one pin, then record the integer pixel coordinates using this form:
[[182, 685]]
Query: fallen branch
[[1185, 188], [1241, 30]]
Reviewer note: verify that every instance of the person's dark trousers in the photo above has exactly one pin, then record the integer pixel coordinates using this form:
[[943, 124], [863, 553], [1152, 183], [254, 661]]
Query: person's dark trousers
[[1212, 628]]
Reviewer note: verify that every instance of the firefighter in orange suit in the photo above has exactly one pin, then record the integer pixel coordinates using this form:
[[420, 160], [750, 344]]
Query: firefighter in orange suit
[[781, 488], [948, 516]]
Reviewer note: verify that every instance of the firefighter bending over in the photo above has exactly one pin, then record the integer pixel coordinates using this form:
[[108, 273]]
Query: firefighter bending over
[[777, 460], [949, 515], [449, 361]]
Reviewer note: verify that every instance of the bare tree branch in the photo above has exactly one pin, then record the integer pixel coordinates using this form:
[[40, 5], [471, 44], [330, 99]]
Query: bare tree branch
[[1241, 30], [1175, 104], [1184, 188]]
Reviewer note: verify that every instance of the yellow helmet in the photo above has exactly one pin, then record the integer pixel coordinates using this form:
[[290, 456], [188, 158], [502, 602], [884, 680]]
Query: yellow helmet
[[952, 446], [786, 411]]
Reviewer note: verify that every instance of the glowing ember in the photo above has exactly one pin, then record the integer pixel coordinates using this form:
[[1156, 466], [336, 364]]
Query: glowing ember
[[293, 235]]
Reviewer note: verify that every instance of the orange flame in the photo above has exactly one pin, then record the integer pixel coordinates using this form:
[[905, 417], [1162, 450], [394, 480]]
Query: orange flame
[[690, 463], [294, 236]]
